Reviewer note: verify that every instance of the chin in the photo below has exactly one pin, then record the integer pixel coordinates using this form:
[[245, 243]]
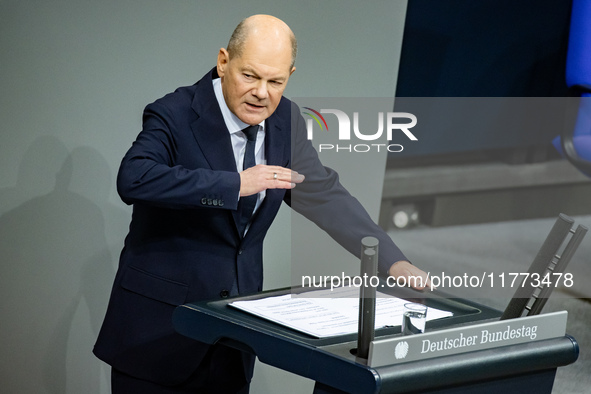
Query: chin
[[253, 119]]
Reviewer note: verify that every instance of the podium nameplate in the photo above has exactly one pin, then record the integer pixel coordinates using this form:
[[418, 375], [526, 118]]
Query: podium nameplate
[[463, 339]]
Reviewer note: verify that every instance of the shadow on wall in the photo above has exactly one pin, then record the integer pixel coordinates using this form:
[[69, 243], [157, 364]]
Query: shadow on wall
[[57, 269]]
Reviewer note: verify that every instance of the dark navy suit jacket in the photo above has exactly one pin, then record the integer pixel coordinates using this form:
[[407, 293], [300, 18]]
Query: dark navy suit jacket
[[183, 244]]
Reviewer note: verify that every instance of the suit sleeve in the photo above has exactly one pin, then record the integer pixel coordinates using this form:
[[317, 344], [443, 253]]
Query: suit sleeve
[[152, 172], [322, 199]]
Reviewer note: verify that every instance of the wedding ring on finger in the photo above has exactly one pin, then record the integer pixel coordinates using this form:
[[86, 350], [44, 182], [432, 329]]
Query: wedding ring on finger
[[274, 175]]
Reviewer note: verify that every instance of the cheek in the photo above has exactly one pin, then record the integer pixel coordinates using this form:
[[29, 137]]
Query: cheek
[[237, 95], [240, 92]]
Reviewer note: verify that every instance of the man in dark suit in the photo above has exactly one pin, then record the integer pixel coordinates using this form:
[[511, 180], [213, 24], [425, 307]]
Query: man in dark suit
[[206, 177]]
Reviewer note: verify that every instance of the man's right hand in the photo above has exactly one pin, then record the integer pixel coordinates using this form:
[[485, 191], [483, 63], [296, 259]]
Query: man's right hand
[[262, 177]]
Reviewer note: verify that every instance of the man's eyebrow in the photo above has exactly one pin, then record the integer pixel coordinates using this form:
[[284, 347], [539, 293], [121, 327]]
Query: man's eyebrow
[[250, 70]]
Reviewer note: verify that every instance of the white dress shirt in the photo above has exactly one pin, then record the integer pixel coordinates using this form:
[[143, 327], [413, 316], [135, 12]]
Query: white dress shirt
[[238, 138]]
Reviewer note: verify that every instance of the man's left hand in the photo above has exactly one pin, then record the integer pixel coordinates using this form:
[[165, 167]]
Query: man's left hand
[[415, 277]]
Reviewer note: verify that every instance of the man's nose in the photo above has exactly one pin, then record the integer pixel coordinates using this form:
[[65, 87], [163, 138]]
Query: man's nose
[[260, 91]]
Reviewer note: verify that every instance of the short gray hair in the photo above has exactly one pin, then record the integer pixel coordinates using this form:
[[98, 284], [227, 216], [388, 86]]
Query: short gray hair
[[240, 34]]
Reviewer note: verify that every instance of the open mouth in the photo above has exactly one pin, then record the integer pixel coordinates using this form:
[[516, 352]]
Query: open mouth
[[255, 106]]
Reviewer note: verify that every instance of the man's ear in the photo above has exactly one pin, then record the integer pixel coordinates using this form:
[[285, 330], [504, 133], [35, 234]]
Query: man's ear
[[223, 60], [291, 72]]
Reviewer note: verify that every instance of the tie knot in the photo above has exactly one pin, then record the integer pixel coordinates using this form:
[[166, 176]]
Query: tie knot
[[251, 132]]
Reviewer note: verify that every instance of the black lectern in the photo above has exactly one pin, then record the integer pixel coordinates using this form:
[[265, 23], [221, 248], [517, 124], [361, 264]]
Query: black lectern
[[519, 368]]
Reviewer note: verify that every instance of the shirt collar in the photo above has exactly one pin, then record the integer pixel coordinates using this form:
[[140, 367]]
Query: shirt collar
[[233, 124]]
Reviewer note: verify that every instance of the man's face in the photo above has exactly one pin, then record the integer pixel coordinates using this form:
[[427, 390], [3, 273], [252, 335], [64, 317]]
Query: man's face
[[254, 82]]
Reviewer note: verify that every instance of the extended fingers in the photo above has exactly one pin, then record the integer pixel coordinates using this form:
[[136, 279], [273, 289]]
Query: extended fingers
[[282, 174]]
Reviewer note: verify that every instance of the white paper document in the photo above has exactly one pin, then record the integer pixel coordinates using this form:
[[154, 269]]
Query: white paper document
[[326, 313]]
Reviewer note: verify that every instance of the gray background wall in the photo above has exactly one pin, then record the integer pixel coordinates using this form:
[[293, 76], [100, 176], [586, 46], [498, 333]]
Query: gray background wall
[[74, 78]]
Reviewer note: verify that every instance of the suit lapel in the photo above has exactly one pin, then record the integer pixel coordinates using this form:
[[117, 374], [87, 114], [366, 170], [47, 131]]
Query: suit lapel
[[209, 128], [210, 131], [275, 141]]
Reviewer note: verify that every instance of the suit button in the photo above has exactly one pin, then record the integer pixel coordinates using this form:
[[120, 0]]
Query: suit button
[[224, 293], [215, 202], [220, 203], [240, 251], [209, 202], [204, 201]]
